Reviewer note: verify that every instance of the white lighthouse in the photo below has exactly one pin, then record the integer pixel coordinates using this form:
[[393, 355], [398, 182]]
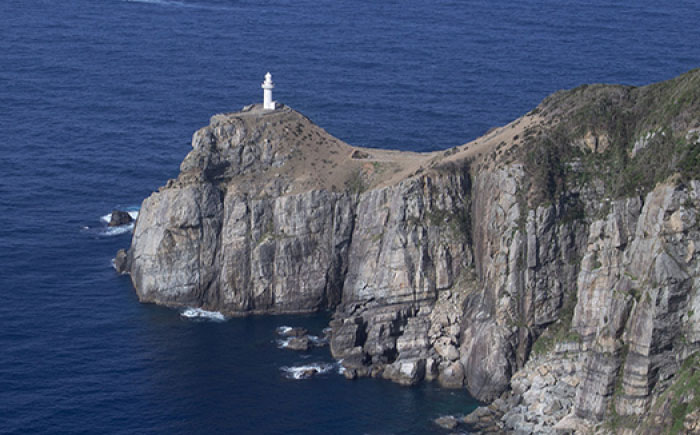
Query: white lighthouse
[[267, 86]]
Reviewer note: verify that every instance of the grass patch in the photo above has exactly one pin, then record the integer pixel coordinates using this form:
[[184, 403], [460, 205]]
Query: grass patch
[[377, 237], [559, 331], [356, 182], [684, 394], [610, 119], [457, 221], [680, 399]]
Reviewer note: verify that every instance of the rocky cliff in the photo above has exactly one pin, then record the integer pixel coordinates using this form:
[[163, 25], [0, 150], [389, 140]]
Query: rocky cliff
[[550, 266]]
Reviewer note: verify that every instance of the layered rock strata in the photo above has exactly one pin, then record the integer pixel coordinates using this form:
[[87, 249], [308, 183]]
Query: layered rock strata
[[550, 266]]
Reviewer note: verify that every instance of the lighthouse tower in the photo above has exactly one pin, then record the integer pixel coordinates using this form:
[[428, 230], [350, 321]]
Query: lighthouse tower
[[267, 86]]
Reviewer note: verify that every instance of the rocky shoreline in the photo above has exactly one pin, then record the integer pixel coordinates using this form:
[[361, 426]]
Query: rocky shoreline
[[550, 267]]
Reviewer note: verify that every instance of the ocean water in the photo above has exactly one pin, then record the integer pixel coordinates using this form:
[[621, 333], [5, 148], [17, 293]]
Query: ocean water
[[98, 101]]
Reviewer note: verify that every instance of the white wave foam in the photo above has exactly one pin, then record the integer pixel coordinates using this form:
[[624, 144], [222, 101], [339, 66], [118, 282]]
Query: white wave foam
[[121, 229], [318, 341], [108, 217], [282, 342], [200, 314], [115, 231], [307, 370], [284, 330]]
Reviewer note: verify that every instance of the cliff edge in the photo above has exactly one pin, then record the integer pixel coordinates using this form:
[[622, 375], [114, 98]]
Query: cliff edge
[[550, 265]]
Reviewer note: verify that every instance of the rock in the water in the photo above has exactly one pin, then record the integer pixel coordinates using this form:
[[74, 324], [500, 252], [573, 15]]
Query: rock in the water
[[298, 343], [120, 217], [121, 262], [406, 372], [287, 331], [446, 422], [452, 376], [308, 373]]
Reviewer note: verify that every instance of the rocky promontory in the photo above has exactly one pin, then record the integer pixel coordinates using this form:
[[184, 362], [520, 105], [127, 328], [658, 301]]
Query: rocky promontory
[[550, 267]]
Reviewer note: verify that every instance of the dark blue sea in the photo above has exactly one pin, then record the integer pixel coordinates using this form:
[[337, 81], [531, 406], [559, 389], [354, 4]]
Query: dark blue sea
[[98, 102]]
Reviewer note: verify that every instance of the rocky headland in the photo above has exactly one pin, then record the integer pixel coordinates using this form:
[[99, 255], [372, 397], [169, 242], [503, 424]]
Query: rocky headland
[[550, 267]]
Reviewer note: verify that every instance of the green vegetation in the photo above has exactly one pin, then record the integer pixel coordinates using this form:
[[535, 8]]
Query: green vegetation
[[458, 221], [620, 372], [462, 225], [681, 398], [438, 217], [614, 421], [377, 237], [596, 262], [356, 182], [685, 392], [268, 233], [559, 331], [636, 293], [591, 133], [574, 211], [690, 161]]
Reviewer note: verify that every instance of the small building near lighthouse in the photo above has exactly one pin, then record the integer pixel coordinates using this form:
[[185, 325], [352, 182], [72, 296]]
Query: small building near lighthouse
[[267, 86]]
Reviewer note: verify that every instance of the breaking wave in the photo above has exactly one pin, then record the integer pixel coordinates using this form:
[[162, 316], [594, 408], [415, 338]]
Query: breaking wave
[[308, 370], [200, 314], [318, 341], [283, 330], [282, 343], [115, 231], [121, 229]]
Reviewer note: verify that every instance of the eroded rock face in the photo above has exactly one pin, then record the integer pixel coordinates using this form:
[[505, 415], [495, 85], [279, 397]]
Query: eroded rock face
[[524, 262], [286, 254], [408, 247], [639, 270], [633, 324], [217, 239], [444, 272], [175, 244]]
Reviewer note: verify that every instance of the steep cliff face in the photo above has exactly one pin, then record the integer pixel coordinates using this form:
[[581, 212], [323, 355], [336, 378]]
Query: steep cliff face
[[633, 325], [552, 262], [641, 270], [620, 172], [526, 264], [248, 246], [410, 243]]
